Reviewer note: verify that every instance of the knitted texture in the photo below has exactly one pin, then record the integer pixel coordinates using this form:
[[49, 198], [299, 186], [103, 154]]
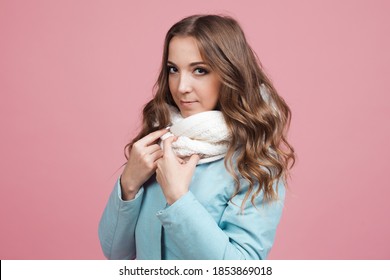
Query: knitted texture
[[205, 134]]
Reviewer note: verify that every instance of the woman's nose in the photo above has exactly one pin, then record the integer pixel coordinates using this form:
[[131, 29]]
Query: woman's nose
[[185, 83]]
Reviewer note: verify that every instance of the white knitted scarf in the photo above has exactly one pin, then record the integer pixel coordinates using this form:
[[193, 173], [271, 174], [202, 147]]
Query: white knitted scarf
[[205, 134]]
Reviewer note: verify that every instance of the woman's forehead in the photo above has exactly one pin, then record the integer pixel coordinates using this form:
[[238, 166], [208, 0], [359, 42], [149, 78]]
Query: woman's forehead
[[184, 49]]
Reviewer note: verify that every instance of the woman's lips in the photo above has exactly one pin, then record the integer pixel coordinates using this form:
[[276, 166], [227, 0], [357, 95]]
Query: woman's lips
[[187, 103]]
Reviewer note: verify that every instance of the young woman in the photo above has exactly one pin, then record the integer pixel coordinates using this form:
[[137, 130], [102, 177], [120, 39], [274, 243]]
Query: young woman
[[211, 185]]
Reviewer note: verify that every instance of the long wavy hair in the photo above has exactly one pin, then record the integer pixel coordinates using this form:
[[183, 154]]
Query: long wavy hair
[[257, 123]]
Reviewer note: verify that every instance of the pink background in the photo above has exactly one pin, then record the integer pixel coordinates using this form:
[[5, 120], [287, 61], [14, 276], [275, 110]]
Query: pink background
[[75, 74]]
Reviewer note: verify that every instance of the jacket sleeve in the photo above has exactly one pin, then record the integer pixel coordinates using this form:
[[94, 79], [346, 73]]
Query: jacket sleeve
[[238, 235], [117, 225]]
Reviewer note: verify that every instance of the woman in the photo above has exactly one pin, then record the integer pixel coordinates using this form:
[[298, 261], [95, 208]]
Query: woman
[[212, 185]]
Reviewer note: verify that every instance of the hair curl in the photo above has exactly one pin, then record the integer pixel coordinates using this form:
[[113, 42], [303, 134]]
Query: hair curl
[[258, 123]]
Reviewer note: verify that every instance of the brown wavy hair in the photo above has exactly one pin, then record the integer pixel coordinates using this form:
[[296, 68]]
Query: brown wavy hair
[[258, 124]]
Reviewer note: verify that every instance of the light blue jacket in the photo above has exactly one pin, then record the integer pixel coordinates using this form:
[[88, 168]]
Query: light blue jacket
[[203, 224]]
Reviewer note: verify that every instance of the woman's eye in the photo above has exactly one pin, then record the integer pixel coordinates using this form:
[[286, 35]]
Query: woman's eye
[[172, 69], [200, 71]]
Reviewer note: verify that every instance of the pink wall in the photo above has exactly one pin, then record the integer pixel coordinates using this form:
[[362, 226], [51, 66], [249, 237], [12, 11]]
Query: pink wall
[[75, 74]]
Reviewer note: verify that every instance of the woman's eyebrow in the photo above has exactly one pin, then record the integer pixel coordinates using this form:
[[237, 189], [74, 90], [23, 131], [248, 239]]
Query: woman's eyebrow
[[191, 64]]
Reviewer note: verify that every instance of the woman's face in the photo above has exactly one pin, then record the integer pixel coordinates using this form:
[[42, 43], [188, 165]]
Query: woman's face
[[193, 84]]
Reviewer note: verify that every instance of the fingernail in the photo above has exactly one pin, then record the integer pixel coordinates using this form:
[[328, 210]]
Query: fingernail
[[166, 135]]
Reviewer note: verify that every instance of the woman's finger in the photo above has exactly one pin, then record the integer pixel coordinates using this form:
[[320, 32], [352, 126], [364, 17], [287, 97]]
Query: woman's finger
[[156, 155], [152, 148], [152, 137], [167, 146], [193, 161]]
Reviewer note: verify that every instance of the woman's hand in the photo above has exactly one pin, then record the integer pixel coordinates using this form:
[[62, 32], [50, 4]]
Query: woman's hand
[[142, 163], [173, 173]]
